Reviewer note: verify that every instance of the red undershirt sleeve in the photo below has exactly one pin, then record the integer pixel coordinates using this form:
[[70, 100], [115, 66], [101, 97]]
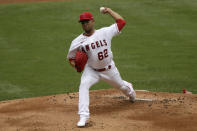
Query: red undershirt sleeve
[[71, 60], [120, 23]]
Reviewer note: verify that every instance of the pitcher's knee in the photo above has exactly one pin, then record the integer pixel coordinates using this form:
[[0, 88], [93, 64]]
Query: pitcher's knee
[[127, 89], [85, 84]]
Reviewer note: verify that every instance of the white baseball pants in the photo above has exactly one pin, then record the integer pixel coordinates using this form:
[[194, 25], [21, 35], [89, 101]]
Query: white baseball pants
[[90, 77]]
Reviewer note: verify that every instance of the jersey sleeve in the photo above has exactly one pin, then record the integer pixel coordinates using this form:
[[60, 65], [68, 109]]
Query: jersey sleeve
[[111, 31], [71, 54], [73, 49]]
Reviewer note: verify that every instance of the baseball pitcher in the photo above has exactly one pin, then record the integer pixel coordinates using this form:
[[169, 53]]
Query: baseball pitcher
[[91, 53]]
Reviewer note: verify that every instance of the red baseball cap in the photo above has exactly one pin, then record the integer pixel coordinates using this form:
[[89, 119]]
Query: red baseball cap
[[86, 16]]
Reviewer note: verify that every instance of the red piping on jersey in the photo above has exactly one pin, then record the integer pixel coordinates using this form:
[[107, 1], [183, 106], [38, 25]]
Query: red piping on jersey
[[120, 23]]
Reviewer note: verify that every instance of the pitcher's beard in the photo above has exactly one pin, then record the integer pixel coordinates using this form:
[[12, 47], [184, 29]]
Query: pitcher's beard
[[89, 32]]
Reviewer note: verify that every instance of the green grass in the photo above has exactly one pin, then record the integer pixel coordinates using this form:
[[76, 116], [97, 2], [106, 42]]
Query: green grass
[[156, 50]]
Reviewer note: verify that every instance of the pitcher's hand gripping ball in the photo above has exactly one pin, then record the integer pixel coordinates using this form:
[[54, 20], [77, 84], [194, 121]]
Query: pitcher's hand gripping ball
[[103, 10], [81, 59]]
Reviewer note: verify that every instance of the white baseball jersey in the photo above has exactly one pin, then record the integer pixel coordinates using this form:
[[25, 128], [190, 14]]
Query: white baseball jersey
[[97, 46]]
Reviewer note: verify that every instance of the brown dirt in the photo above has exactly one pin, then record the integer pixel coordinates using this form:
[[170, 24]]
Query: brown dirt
[[110, 111]]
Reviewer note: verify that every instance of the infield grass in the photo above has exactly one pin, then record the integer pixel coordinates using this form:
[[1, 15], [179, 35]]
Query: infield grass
[[156, 51]]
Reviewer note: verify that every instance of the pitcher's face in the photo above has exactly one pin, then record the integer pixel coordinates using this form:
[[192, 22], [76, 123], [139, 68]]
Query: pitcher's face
[[87, 25]]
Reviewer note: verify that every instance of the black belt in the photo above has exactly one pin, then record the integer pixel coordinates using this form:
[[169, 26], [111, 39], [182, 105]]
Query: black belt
[[103, 69]]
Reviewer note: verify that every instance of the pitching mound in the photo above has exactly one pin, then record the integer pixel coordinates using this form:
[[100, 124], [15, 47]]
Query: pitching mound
[[110, 111]]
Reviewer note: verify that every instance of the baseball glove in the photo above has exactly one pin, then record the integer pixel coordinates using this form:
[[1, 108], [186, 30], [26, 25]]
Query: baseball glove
[[81, 59]]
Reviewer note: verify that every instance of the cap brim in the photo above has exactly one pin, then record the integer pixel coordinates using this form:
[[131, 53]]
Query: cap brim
[[84, 20]]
